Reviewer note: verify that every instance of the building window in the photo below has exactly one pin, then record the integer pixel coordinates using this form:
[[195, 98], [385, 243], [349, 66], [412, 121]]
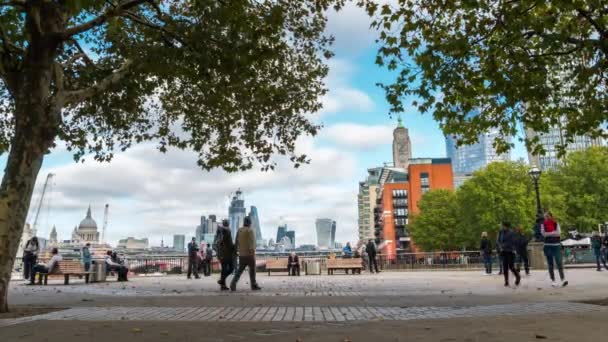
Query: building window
[[399, 194], [400, 202], [424, 183], [400, 212]]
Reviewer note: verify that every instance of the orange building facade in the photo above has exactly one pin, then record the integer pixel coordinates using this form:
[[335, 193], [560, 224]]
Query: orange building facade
[[398, 198]]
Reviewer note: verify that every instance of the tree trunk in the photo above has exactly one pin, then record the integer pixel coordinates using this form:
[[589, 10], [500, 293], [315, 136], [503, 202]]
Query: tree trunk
[[22, 167]]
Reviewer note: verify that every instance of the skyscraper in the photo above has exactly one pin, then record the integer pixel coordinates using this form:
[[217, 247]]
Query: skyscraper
[[367, 202], [402, 146], [549, 142], [255, 224], [467, 159], [179, 242], [281, 232], [326, 232], [292, 237], [236, 212]]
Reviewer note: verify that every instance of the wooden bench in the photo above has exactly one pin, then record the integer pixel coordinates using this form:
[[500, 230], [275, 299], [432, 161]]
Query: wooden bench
[[279, 265], [354, 264], [67, 268]]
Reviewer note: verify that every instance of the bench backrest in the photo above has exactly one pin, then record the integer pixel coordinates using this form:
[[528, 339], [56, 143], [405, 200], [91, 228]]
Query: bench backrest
[[347, 263], [68, 266], [276, 263]]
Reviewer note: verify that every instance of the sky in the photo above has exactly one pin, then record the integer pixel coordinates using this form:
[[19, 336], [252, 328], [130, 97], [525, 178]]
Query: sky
[[158, 195]]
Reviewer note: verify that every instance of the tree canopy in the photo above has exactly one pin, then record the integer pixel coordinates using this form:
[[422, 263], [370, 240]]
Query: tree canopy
[[438, 226], [540, 63], [232, 81]]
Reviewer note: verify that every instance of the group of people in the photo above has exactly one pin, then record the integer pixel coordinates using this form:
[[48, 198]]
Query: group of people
[[31, 267], [199, 259], [369, 254], [512, 245], [115, 264]]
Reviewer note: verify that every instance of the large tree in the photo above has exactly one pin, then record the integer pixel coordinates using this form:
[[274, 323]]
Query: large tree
[[500, 192], [230, 80], [481, 64], [437, 226], [577, 191]]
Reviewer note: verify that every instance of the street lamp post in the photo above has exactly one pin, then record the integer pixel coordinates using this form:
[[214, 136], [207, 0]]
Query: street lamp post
[[535, 173]]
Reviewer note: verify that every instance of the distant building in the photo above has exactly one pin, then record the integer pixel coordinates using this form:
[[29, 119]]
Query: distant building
[[402, 146], [325, 227], [133, 243], [207, 226], [366, 201], [398, 195], [292, 237], [86, 232], [255, 225], [179, 243], [236, 212], [281, 232], [338, 245], [467, 159], [550, 140], [53, 237]]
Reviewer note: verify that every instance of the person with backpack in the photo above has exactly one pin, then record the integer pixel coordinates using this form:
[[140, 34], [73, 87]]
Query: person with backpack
[[521, 248], [30, 256], [245, 246], [508, 240], [552, 233], [224, 249], [485, 247]]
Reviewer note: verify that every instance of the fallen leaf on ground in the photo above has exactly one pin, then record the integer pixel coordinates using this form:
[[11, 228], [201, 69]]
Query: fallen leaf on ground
[[541, 337], [136, 330]]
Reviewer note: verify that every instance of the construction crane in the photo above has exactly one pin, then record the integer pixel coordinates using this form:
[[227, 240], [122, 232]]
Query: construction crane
[[105, 224], [47, 185]]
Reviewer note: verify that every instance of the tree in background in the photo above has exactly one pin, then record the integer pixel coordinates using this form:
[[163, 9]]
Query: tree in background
[[577, 191], [230, 80], [540, 63], [437, 225]]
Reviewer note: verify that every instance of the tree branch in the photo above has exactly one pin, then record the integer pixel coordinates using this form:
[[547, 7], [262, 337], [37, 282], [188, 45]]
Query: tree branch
[[601, 30], [101, 19], [81, 54], [77, 96]]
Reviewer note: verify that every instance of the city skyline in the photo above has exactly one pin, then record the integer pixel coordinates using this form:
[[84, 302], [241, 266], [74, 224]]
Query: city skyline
[[158, 195]]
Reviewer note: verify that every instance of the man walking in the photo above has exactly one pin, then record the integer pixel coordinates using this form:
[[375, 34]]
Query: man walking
[[371, 254], [551, 232], [245, 246], [499, 250], [596, 244], [507, 249], [224, 249], [193, 258]]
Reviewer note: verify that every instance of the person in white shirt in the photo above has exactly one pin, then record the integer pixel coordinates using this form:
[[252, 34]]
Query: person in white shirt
[[48, 268]]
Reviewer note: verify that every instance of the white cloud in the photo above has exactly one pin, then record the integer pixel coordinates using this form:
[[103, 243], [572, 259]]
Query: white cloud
[[358, 136], [157, 195], [341, 96]]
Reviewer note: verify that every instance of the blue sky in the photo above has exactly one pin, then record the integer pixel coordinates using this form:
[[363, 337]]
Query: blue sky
[[155, 196]]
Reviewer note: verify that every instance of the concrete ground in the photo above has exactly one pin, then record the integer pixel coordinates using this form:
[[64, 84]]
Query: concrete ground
[[391, 306]]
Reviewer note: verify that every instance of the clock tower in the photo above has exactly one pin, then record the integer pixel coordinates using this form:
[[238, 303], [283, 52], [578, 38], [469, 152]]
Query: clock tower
[[402, 146]]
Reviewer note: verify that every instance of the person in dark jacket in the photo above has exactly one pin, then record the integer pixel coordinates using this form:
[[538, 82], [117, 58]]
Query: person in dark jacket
[[508, 242], [596, 245], [486, 252], [521, 247], [498, 250], [293, 264], [371, 250], [193, 258], [225, 251]]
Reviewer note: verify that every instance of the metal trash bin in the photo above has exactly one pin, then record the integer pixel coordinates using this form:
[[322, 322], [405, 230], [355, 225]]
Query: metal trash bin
[[99, 271], [313, 268]]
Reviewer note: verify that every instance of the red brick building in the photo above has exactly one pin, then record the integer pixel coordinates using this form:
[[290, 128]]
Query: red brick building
[[398, 196]]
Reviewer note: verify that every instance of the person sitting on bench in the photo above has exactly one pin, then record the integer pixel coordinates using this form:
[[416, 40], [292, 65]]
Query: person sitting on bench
[[48, 268], [293, 264], [113, 265]]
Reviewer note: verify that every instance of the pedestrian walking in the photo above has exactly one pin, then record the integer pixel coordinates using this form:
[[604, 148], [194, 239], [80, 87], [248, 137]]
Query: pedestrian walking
[[551, 232], [372, 253], [193, 259], [596, 245], [245, 246], [85, 257], [521, 248], [225, 251], [507, 241], [605, 246], [485, 246], [208, 261], [30, 256]]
